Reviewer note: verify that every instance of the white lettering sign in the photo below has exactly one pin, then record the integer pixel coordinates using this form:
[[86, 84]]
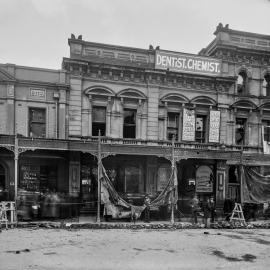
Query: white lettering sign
[[187, 63], [37, 93]]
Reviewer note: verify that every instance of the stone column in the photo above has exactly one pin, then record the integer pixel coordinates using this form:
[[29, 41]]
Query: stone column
[[10, 109], [90, 116], [62, 114], [108, 117], [85, 115]]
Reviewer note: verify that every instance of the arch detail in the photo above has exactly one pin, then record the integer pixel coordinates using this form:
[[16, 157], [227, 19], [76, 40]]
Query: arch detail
[[98, 90], [203, 100], [131, 93], [174, 98]]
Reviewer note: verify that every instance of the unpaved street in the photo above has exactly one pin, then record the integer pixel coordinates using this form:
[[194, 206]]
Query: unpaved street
[[134, 249]]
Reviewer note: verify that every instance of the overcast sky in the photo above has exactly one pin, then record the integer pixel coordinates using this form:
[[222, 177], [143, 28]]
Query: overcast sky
[[35, 32]]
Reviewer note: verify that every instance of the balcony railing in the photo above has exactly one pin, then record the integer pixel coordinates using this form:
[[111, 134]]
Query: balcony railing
[[47, 143]]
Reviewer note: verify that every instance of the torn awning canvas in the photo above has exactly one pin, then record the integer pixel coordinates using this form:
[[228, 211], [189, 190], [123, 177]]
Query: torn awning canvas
[[256, 187]]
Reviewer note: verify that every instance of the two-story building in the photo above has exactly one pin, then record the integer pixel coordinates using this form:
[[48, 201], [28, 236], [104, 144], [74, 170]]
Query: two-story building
[[146, 103]]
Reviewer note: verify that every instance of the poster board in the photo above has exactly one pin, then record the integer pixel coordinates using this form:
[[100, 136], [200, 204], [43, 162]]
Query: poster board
[[214, 126], [188, 133], [29, 179], [204, 179]]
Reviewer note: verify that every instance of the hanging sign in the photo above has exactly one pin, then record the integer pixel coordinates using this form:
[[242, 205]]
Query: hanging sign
[[204, 179], [180, 62], [188, 133], [214, 126]]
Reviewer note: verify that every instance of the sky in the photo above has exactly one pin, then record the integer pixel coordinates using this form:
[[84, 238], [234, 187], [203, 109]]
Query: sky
[[35, 32]]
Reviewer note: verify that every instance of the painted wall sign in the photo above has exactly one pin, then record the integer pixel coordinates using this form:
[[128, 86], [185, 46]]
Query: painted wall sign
[[37, 93], [187, 63], [188, 133], [204, 179], [214, 126]]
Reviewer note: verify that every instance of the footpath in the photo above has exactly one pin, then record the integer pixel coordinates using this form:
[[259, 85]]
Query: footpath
[[154, 225]]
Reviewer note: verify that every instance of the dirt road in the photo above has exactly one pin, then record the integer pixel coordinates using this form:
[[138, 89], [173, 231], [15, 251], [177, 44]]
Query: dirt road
[[134, 249]]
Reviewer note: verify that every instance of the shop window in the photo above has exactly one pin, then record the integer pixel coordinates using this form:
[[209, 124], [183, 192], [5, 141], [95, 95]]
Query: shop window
[[37, 122], [241, 83], [129, 130], [240, 125], [266, 130], [132, 179], [200, 128], [99, 121], [266, 85], [172, 126], [38, 178]]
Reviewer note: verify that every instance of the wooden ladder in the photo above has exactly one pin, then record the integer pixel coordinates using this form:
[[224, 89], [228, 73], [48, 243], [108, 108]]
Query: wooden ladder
[[237, 215]]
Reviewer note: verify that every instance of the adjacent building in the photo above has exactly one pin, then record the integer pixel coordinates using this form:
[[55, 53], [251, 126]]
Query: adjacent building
[[212, 109]]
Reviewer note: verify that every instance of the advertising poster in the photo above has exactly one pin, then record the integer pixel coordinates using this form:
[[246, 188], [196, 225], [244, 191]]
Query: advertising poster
[[188, 125], [204, 179], [214, 126]]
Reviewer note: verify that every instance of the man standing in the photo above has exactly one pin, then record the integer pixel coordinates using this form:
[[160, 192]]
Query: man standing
[[147, 208], [195, 208]]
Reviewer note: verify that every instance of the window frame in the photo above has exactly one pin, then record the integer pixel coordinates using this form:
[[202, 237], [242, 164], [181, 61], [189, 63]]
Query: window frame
[[126, 125], [99, 122], [37, 122], [176, 129]]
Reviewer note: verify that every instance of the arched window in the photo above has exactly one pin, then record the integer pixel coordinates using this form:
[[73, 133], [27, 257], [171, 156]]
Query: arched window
[[170, 111], [242, 83]]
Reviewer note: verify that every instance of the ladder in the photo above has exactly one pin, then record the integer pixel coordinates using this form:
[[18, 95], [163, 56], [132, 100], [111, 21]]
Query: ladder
[[237, 215]]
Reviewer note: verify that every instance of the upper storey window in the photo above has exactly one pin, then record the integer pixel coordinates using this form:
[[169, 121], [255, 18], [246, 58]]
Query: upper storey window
[[99, 121], [37, 122], [200, 128], [266, 130], [266, 85], [242, 83], [172, 126], [240, 127], [129, 129]]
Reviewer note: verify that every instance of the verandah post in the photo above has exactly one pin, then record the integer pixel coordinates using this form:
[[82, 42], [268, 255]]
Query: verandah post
[[173, 190], [99, 175]]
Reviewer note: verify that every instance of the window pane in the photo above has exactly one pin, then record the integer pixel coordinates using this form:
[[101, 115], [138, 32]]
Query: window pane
[[37, 130], [99, 114], [266, 130], [98, 126], [37, 122], [129, 117], [37, 115], [129, 130], [240, 130], [200, 128]]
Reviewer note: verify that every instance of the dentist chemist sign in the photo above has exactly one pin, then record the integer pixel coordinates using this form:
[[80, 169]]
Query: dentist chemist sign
[[180, 62]]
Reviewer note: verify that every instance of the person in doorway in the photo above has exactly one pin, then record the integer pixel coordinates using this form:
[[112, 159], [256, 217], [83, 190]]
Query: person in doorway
[[147, 208], [212, 209], [195, 208], [206, 211]]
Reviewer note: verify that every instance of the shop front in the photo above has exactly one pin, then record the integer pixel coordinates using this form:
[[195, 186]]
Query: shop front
[[195, 178], [42, 186]]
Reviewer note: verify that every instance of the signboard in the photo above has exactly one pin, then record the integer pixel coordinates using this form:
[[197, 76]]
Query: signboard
[[204, 179], [180, 62], [214, 126], [37, 93], [188, 133]]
